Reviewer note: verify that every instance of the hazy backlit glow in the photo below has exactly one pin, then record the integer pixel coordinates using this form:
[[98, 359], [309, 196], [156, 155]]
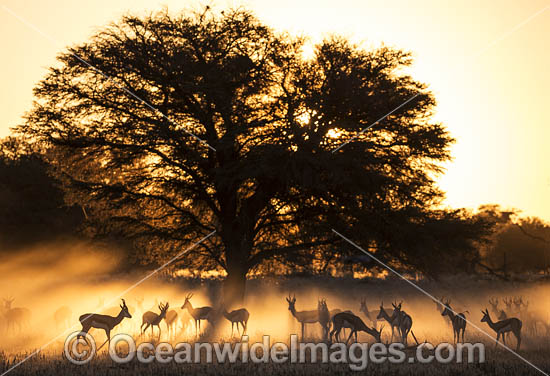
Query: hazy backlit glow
[[490, 77]]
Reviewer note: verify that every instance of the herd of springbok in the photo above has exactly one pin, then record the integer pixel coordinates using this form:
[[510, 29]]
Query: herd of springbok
[[510, 318], [401, 322]]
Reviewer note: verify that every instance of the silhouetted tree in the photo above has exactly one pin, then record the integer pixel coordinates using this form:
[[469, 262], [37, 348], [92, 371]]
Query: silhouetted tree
[[522, 243], [32, 207], [266, 177]]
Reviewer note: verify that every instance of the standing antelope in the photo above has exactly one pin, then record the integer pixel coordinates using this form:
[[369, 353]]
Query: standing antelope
[[303, 317], [62, 317], [186, 320], [139, 302], [494, 308], [404, 322], [171, 320], [508, 302], [372, 316], [355, 323], [324, 317], [153, 319], [527, 317], [17, 316], [198, 314], [238, 316], [105, 322], [458, 321], [504, 326], [440, 308], [393, 320]]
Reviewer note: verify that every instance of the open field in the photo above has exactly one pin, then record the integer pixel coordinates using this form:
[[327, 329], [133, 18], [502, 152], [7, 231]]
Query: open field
[[269, 315]]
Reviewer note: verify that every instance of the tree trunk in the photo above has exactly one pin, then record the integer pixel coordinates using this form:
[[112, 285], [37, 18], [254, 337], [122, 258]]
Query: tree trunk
[[234, 286], [237, 251]]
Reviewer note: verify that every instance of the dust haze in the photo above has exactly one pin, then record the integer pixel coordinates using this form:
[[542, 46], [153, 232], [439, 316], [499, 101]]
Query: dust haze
[[79, 277]]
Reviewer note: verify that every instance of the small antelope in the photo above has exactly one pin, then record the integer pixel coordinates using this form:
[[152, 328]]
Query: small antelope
[[105, 322], [17, 316], [355, 323], [528, 317], [198, 314], [139, 302], [324, 316], [303, 317], [185, 319], [393, 320], [238, 316], [334, 312], [494, 308], [171, 320], [404, 322], [508, 302], [440, 308], [153, 319], [504, 326], [372, 316], [62, 317], [458, 321]]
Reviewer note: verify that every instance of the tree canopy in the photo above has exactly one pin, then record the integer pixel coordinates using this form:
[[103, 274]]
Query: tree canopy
[[169, 127], [32, 207]]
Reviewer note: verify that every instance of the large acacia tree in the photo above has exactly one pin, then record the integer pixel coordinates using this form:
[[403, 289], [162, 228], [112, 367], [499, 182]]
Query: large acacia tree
[[125, 112]]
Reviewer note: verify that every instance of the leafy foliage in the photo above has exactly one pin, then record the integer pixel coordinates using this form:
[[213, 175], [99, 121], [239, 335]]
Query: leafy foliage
[[267, 175]]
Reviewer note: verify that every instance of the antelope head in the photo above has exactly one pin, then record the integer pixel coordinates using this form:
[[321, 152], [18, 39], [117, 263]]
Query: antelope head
[[485, 317], [397, 307], [525, 304], [363, 307], [291, 302], [8, 302], [163, 308], [446, 308], [382, 311], [187, 302], [518, 302], [124, 310], [508, 302], [139, 301]]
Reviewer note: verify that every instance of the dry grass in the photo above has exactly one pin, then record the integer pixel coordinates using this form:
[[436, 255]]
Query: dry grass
[[269, 315]]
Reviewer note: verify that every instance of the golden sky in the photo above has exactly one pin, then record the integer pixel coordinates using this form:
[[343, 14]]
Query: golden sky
[[486, 61]]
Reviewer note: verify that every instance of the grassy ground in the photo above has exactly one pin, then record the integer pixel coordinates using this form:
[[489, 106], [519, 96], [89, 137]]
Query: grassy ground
[[497, 363], [270, 315]]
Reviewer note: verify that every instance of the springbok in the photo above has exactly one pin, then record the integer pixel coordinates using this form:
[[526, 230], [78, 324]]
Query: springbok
[[62, 317], [334, 312], [198, 314], [238, 316], [185, 319], [458, 321], [355, 323], [440, 308], [324, 317], [527, 317], [153, 319], [494, 308], [303, 317], [372, 316], [171, 320], [504, 326], [105, 322], [392, 320], [139, 302], [17, 316], [404, 322], [509, 309]]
